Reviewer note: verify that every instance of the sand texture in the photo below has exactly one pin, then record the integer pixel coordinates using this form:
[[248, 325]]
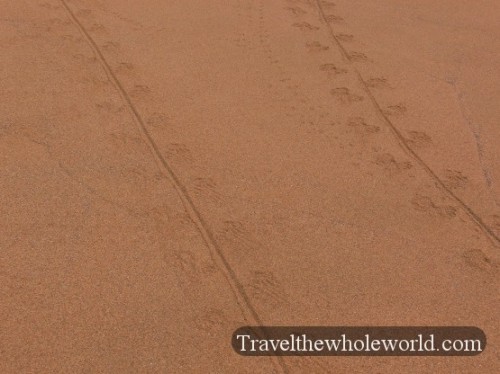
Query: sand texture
[[173, 170]]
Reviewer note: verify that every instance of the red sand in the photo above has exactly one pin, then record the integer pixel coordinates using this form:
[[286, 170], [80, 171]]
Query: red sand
[[172, 170]]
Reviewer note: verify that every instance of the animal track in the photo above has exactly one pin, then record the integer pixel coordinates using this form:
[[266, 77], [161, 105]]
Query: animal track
[[360, 124], [345, 37], [158, 120], [326, 3], [97, 27], [187, 262], [109, 107], [179, 151], [6, 128], [377, 83], [331, 68], [131, 23], [418, 139], [85, 59], [110, 46], [358, 57], [190, 266], [425, 204], [305, 26], [72, 38], [266, 288], [201, 184], [296, 11], [319, 128], [389, 163], [206, 187], [242, 41], [124, 67], [334, 19], [344, 95], [477, 259], [455, 179], [238, 237], [234, 228], [316, 47], [395, 110], [140, 90]]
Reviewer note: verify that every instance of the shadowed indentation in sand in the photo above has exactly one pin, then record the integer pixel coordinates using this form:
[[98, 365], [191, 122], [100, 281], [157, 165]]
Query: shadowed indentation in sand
[[389, 163], [359, 124], [425, 204], [316, 47], [305, 26], [344, 95], [418, 139], [332, 68]]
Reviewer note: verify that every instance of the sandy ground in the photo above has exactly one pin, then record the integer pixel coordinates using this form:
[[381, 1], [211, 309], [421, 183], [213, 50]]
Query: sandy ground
[[172, 170]]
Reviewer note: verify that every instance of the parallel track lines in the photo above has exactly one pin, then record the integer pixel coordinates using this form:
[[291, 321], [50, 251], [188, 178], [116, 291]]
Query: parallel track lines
[[495, 240], [242, 299]]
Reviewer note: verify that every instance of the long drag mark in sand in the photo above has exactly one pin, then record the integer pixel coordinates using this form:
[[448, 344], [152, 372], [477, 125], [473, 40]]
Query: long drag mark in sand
[[399, 137], [249, 313]]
